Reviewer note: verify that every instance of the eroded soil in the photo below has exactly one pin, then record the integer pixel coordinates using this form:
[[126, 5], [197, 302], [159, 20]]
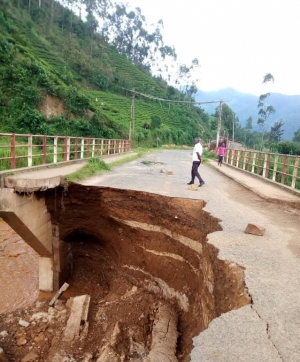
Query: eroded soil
[[18, 262], [154, 281]]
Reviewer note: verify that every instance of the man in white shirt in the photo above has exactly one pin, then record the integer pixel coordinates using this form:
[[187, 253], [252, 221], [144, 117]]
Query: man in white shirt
[[197, 152]]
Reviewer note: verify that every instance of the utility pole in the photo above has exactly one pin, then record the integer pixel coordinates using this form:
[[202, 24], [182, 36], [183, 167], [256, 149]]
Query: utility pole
[[233, 129], [219, 124], [131, 126]]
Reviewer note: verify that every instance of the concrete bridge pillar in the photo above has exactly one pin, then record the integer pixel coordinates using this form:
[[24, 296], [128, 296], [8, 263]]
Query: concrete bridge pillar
[[28, 216]]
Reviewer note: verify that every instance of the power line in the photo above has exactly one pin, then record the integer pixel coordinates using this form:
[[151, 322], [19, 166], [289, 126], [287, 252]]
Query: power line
[[172, 101], [169, 100]]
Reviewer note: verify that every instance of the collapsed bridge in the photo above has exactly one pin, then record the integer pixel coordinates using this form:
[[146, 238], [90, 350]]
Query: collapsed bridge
[[143, 258]]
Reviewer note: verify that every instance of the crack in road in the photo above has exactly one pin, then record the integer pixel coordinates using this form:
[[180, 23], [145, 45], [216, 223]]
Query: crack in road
[[267, 328]]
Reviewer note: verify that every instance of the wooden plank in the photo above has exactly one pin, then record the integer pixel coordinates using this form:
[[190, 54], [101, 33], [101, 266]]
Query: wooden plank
[[77, 322], [58, 294]]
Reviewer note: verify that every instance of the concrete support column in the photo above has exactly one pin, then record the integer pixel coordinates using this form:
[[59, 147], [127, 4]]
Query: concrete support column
[[62, 259], [50, 268], [29, 217], [46, 274]]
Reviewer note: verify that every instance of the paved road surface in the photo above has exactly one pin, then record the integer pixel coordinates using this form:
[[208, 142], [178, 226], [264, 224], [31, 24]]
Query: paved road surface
[[269, 329]]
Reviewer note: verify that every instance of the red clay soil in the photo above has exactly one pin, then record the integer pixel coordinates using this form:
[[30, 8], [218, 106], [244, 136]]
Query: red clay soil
[[154, 281]]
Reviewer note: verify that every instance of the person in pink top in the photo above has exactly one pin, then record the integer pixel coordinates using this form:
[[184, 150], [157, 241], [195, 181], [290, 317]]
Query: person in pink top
[[221, 153]]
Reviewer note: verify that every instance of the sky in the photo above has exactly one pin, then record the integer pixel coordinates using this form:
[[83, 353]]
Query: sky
[[237, 42]]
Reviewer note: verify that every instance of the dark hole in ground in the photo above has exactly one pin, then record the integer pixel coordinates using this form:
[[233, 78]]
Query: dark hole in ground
[[79, 235], [151, 163], [154, 281]]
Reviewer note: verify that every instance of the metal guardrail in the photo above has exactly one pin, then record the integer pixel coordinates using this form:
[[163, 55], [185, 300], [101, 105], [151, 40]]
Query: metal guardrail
[[26, 150], [284, 169]]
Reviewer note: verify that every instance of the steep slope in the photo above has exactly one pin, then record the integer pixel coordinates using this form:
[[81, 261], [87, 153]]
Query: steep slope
[[86, 76]]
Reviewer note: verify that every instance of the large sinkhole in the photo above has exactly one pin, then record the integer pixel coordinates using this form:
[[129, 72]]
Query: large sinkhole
[[154, 281]]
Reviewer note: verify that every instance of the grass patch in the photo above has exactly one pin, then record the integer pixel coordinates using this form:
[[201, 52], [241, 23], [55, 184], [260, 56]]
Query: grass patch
[[176, 147], [96, 166], [93, 167], [209, 155], [124, 160]]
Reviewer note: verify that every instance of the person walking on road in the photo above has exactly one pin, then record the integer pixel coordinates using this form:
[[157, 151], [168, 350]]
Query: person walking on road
[[197, 152], [221, 153]]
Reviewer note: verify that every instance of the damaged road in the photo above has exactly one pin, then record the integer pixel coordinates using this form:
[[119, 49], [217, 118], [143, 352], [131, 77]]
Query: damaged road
[[143, 280], [144, 260], [153, 280]]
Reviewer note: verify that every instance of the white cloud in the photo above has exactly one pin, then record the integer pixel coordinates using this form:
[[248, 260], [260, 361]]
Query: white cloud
[[236, 41]]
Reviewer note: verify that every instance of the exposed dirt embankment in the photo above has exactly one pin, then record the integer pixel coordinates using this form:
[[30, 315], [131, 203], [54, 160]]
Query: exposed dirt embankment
[[133, 250], [154, 281]]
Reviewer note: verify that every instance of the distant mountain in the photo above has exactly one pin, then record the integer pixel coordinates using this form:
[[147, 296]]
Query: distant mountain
[[245, 105]]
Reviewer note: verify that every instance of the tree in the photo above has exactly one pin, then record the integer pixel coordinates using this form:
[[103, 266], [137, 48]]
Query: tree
[[264, 109], [229, 119], [186, 78], [288, 148], [249, 123], [268, 78], [96, 7], [155, 121], [296, 137], [91, 24], [127, 31], [276, 131], [248, 128]]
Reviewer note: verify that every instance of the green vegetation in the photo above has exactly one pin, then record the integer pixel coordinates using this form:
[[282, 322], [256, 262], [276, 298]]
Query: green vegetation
[[208, 155], [97, 166], [22, 156], [93, 167], [264, 109], [297, 136], [60, 76], [279, 169]]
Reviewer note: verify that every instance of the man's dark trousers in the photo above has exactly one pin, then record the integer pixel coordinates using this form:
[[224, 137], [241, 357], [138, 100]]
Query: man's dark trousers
[[195, 172]]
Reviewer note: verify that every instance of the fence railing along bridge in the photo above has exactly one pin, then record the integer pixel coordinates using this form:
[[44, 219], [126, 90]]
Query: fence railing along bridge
[[27, 150], [283, 169]]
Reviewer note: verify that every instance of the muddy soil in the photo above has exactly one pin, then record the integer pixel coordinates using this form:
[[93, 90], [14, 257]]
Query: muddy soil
[[154, 281], [17, 262]]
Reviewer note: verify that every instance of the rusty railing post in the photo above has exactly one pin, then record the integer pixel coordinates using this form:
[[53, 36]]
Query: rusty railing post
[[68, 148], [29, 151], [44, 150], [266, 165], [13, 151], [93, 147], [285, 163], [108, 147], [275, 167], [295, 172], [88, 147], [102, 146], [249, 159], [65, 148], [55, 140], [259, 163], [76, 148], [82, 148]]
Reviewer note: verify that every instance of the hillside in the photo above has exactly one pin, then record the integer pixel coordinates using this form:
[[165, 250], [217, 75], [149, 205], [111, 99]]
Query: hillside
[[63, 79], [245, 106]]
